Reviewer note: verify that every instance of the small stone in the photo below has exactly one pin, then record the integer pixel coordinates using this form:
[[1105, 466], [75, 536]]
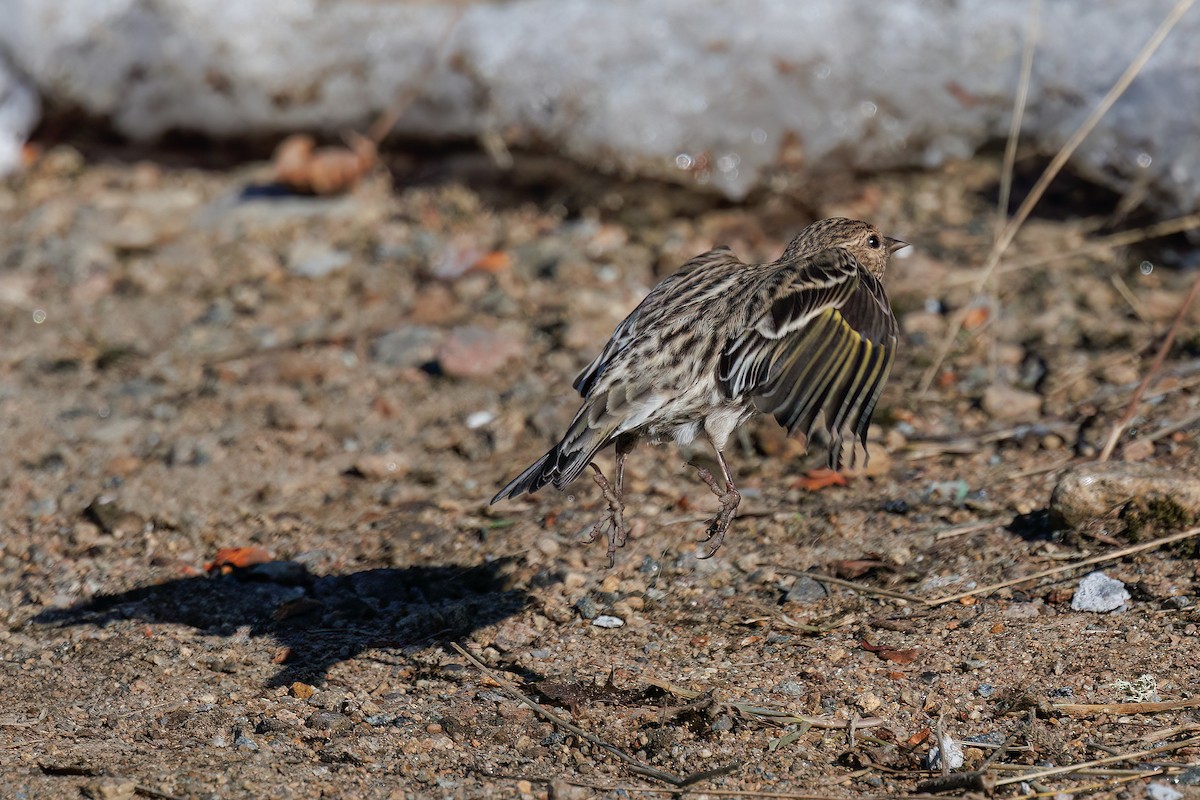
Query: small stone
[[587, 608], [723, 722], [112, 789], [1099, 593], [608, 621], [1157, 790], [309, 259], [329, 722], [382, 465], [244, 742], [868, 702], [476, 352], [409, 347], [985, 690], [302, 691], [1006, 403], [806, 590], [955, 757], [794, 688]]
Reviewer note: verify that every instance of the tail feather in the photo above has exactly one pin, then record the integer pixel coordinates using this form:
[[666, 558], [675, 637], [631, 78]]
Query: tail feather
[[533, 478], [562, 464]]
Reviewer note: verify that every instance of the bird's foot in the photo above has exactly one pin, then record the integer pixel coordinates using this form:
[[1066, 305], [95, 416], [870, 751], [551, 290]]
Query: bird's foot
[[613, 520], [730, 498]]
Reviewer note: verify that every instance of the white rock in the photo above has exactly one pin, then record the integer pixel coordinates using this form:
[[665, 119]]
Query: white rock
[[722, 93], [608, 621], [1098, 592], [1157, 790], [953, 751]]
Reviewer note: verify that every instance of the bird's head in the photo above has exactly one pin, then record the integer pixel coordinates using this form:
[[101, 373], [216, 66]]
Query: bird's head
[[870, 247]]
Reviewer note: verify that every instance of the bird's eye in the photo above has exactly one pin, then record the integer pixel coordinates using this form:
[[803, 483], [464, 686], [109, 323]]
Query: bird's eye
[[873, 242]]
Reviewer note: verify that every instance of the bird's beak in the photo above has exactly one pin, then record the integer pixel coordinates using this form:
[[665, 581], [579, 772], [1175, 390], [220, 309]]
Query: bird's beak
[[894, 244]]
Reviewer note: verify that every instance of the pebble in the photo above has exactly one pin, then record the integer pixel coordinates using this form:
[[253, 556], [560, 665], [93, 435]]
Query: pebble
[[868, 702], [806, 590], [1010, 405], [383, 465], [608, 621], [476, 352], [1099, 593], [315, 260], [1090, 491], [1157, 790], [587, 607], [328, 721], [408, 347], [111, 789], [954, 755]]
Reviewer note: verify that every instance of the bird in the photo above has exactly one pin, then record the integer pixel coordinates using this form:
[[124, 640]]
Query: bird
[[810, 335]]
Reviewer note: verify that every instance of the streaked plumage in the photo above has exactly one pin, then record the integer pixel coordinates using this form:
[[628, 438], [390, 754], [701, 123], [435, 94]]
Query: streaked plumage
[[806, 336]]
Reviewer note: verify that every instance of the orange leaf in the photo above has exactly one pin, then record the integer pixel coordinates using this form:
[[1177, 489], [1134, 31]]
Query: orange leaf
[[975, 317], [231, 558], [891, 654], [917, 738], [495, 261], [817, 479]]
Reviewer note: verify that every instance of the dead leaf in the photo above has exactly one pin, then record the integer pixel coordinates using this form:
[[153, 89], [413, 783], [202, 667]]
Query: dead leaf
[[817, 479], [856, 568], [891, 654], [228, 559]]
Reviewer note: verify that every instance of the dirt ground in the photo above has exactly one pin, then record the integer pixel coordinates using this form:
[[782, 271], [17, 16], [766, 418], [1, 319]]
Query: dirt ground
[[194, 361]]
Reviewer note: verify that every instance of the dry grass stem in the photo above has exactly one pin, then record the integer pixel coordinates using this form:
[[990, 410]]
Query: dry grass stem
[[1167, 227], [1131, 409], [1138, 548], [1047, 773], [858, 587], [1047, 177], [774, 715], [636, 766], [1014, 129], [1087, 709]]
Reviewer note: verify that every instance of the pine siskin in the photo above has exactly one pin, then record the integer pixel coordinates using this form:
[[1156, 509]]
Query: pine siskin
[[718, 341]]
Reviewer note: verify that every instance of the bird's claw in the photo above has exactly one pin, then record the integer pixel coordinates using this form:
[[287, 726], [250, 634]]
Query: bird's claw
[[730, 499], [613, 519]]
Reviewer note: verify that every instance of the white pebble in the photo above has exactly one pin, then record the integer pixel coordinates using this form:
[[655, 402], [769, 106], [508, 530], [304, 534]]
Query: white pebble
[[1098, 592], [608, 621]]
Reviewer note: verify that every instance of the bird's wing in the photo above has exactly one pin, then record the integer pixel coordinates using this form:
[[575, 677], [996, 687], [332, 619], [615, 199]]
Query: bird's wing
[[825, 343], [661, 298]]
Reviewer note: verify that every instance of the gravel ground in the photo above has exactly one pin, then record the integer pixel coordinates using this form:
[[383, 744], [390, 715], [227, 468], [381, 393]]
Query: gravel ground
[[196, 361]]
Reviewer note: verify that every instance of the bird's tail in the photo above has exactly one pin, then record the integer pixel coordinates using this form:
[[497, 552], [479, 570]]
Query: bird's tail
[[564, 462]]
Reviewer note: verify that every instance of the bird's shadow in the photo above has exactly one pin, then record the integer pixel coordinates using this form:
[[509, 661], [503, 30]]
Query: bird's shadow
[[318, 620]]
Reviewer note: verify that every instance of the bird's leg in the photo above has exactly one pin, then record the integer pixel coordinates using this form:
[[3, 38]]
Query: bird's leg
[[614, 518], [730, 498]]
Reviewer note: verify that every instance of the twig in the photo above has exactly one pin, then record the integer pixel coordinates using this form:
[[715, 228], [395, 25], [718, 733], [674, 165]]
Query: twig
[[1138, 548], [774, 715], [1086, 709], [388, 119], [1014, 128], [1127, 294], [1046, 773], [971, 527], [1174, 427], [734, 792], [858, 587], [1167, 227], [1049, 174], [1151, 374], [633, 764]]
